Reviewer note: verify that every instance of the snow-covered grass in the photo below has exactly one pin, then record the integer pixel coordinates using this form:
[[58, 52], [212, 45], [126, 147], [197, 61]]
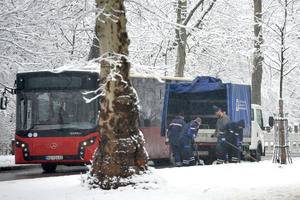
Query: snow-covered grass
[[263, 180]]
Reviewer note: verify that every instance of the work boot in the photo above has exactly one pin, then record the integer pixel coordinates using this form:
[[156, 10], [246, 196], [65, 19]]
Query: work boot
[[178, 164], [220, 161]]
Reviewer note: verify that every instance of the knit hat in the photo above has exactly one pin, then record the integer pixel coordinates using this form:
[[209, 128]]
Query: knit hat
[[181, 113], [216, 108]]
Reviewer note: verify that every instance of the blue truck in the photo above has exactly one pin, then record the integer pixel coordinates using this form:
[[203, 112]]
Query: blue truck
[[197, 98]]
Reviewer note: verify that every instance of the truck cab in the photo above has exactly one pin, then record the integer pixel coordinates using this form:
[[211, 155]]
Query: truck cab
[[256, 146]]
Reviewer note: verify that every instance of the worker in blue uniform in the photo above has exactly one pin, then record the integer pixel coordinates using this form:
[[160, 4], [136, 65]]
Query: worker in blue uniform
[[232, 139], [175, 130], [189, 134]]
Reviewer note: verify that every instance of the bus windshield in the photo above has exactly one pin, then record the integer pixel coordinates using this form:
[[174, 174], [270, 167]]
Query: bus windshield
[[55, 110]]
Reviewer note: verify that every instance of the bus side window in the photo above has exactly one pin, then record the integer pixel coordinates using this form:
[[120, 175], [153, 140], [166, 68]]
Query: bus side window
[[22, 114], [29, 114]]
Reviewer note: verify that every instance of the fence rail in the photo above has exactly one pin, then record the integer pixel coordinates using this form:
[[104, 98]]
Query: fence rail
[[294, 143]]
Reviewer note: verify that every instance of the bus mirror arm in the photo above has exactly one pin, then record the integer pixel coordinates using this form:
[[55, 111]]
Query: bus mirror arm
[[8, 90], [4, 99]]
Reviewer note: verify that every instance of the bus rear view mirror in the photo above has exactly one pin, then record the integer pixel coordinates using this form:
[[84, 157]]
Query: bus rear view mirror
[[3, 103]]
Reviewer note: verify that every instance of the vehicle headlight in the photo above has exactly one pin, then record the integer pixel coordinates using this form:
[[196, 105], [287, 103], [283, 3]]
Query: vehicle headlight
[[21, 144], [88, 142]]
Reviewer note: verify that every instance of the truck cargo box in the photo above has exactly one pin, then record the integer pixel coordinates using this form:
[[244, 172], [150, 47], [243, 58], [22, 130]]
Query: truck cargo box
[[196, 99]]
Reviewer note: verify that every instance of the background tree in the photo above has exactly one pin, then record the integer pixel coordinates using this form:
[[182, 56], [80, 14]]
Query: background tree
[[121, 151], [40, 35], [37, 35], [281, 53], [183, 18], [258, 58]]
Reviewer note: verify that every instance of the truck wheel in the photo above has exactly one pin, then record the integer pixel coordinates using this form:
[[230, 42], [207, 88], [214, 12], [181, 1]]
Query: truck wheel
[[49, 167], [258, 155]]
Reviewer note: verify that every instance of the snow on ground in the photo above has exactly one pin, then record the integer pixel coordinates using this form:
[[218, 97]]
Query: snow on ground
[[263, 180], [7, 161]]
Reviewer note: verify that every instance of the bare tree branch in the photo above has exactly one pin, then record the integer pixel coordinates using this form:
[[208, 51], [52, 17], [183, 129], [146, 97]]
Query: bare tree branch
[[291, 70], [205, 13], [186, 21]]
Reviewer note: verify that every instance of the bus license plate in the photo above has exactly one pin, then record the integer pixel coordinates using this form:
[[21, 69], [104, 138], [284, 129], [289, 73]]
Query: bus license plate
[[54, 157]]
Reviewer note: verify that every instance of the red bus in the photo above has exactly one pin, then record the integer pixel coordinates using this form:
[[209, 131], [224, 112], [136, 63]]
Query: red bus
[[56, 125], [151, 93]]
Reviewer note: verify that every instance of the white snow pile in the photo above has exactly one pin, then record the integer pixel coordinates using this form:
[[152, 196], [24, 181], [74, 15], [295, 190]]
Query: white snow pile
[[263, 180], [7, 161]]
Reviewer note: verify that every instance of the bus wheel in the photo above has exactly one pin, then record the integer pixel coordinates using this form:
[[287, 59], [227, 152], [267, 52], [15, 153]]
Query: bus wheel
[[49, 167]]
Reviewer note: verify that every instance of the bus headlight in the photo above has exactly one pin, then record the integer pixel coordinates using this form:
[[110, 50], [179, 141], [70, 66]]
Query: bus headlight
[[21, 144], [84, 144], [25, 148], [88, 142]]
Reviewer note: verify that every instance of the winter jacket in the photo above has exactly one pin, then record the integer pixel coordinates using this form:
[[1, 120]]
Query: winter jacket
[[189, 133], [224, 119], [232, 131], [175, 130]]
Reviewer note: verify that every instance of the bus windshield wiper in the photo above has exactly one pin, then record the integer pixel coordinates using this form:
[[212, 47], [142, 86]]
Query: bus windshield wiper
[[31, 128]]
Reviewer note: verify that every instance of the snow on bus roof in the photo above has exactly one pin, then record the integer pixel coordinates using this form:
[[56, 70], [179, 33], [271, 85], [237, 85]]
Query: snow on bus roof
[[162, 78], [95, 67]]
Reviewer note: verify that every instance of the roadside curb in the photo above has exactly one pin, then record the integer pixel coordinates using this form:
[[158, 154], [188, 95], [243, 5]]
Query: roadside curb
[[17, 167]]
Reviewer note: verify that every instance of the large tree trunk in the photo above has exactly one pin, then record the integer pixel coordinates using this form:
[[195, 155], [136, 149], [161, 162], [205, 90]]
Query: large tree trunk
[[181, 54], [121, 151], [94, 50], [181, 38], [258, 58]]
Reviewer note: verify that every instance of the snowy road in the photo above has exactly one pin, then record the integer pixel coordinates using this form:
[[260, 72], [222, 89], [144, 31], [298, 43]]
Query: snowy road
[[247, 181], [37, 172], [17, 172]]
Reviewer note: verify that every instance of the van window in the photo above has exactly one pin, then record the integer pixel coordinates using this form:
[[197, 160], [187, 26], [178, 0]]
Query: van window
[[259, 118], [252, 114]]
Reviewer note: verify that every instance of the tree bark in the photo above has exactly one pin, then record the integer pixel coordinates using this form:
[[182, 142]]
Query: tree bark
[[258, 58], [94, 50], [121, 151], [181, 38], [281, 134], [181, 54]]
